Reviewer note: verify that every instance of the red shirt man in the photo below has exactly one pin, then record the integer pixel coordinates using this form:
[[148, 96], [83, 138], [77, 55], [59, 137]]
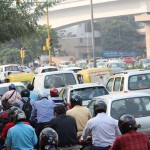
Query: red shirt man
[[131, 140]]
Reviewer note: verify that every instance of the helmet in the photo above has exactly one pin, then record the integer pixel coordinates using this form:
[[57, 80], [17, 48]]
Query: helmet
[[100, 106], [25, 93], [54, 92], [48, 137], [12, 112], [76, 100], [12, 87], [19, 116], [126, 123]]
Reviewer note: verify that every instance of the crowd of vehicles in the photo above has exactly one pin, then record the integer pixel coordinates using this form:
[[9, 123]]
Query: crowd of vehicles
[[92, 84]]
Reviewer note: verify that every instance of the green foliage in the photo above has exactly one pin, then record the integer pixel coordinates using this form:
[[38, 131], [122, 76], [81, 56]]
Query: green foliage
[[119, 34], [15, 23]]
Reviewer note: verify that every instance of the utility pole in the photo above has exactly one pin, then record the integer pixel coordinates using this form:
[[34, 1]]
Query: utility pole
[[93, 35], [48, 36]]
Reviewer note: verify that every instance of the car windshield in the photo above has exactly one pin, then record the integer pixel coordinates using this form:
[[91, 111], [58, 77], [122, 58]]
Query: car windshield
[[139, 82], [137, 106], [59, 80], [12, 68], [89, 92]]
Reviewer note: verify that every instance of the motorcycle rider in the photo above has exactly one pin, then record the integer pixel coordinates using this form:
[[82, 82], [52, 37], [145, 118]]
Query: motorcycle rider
[[54, 96], [80, 113], [130, 139], [48, 139], [102, 128]]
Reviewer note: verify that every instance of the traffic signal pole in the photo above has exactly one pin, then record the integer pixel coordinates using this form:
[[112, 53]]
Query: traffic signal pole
[[48, 36], [48, 46]]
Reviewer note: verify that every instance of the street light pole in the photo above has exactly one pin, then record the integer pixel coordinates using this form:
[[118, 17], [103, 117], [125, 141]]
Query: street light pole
[[93, 35], [48, 36]]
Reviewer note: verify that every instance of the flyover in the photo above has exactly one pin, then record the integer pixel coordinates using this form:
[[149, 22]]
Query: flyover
[[71, 12]]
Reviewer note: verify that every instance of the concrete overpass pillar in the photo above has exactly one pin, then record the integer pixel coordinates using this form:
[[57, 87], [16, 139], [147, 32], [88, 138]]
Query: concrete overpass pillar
[[147, 27], [146, 19]]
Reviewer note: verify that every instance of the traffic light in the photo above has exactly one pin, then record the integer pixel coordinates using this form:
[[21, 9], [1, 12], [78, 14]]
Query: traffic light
[[22, 53], [47, 43]]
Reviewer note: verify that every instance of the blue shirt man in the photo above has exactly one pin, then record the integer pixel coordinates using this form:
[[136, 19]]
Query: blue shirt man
[[21, 137], [43, 110]]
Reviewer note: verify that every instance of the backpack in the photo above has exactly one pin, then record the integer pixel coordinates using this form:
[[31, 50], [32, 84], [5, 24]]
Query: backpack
[[27, 108]]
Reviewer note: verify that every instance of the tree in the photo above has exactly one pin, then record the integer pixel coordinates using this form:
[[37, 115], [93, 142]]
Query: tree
[[16, 23], [119, 34]]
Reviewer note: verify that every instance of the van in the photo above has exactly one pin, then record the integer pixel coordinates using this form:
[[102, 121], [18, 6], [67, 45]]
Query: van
[[43, 82], [94, 75]]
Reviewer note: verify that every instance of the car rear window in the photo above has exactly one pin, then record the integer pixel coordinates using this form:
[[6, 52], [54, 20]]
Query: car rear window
[[12, 68], [3, 90], [137, 106], [89, 92], [139, 82], [49, 70], [59, 80]]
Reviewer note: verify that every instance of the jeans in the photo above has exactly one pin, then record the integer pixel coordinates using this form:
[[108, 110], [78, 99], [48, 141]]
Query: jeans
[[100, 148]]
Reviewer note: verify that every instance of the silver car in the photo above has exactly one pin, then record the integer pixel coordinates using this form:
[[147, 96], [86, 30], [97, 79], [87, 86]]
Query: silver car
[[136, 104]]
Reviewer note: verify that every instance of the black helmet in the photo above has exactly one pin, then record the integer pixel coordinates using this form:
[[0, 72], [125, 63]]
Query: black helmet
[[12, 87], [25, 93], [100, 106], [12, 112], [76, 100], [126, 123], [19, 116], [48, 137]]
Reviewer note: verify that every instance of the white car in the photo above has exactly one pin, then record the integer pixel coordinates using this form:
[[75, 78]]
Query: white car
[[87, 91], [75, 69], [130, 80], [136, 104], [45, 69], [5, 70], [5, 87], [43, 82]]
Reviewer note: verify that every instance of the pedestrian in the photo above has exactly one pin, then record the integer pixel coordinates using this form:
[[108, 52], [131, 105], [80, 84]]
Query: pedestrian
[[130, 139], [66, 128], [21, 136], [33, 94], [25, 103], [42, 114], [48, 139], [11, 95], [80, 113], [102, 128]]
